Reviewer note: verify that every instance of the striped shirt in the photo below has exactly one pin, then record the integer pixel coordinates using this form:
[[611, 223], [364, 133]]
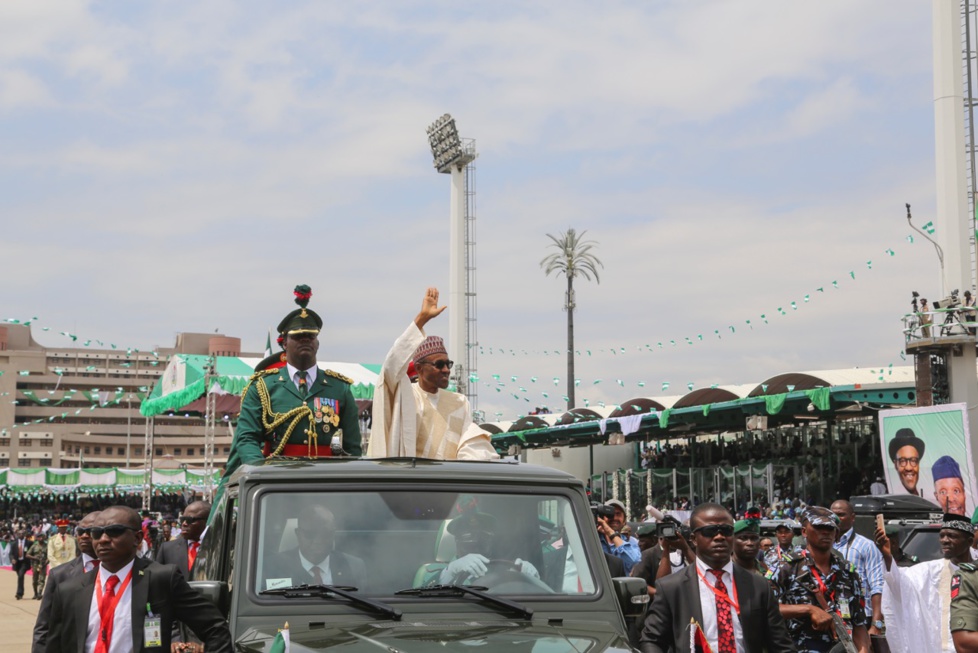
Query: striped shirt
[[862, 552]]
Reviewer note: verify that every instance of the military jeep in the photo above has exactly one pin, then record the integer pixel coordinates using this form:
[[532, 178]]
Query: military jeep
[[412, 555]]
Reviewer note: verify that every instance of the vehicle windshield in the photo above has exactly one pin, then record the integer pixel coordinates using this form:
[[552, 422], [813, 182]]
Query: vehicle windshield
[[385, 542], [925, 543]]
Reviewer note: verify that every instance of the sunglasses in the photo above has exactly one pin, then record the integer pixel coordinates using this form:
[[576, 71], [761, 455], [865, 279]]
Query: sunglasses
[[187, 520], [440, 364], [713, 530], [113, 531], [79, 531]]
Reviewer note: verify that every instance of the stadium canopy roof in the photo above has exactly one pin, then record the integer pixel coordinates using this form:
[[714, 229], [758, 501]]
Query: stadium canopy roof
[[789, 398]]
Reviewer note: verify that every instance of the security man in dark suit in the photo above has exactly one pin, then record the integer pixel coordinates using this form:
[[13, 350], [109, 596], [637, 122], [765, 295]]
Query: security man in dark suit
[[314, 561], [713, 600], [18, 559], [129, 599], [80, 565], [306, 407], [182, 551]]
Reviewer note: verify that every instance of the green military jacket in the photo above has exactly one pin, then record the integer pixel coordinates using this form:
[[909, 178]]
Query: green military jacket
[[964, 598], [38, 553], [331, 407]]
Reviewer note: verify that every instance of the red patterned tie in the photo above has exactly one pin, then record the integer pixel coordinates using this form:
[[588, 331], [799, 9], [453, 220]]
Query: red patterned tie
[[192, 554], [317, 575], [725, 631], [104, 641]]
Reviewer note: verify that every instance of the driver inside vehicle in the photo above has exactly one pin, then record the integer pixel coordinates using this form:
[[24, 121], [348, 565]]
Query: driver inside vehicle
[[314, 561], [475, 543]]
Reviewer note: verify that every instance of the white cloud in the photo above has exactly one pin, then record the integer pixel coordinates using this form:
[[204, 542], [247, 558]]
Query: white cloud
[[19, 89], [729, 158]]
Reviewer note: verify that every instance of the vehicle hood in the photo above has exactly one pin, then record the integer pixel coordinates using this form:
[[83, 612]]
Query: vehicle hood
[[459, 635]]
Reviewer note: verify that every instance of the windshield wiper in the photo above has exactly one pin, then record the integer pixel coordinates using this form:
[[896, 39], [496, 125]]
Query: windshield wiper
[[325, 591], [473, 590]]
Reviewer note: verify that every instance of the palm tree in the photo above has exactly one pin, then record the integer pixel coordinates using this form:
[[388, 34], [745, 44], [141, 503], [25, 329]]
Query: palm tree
[[573, 258]]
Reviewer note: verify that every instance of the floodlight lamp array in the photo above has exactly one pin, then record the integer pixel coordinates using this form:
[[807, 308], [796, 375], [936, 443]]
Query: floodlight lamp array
[[446, 146]]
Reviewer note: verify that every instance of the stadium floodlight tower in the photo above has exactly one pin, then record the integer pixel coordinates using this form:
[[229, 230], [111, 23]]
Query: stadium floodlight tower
[[954, 151], [453, 156]]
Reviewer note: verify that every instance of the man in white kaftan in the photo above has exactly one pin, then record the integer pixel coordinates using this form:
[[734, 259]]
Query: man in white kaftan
[[920, 596], [423, 419]]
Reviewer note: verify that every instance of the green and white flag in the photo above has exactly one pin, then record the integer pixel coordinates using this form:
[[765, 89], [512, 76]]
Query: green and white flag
[[281, 642], [268, 345]]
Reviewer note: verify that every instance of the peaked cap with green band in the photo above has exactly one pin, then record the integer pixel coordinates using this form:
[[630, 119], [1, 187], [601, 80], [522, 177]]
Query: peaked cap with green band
[[302, 319], [747, 525]]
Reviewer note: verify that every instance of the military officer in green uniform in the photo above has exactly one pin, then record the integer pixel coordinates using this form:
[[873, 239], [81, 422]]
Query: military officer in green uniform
[[296, 410], [746, 544], [37, 553], [964, 608]]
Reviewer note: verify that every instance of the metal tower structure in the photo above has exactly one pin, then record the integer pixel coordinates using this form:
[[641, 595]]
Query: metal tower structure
[[148, 464], [954, 159], [210, 427], [454, 156], [471, 306], [969, 37]]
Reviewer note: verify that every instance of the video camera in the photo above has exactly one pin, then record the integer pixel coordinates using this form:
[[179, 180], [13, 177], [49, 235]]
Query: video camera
[[668, 528], [601, 510], [949, 302]]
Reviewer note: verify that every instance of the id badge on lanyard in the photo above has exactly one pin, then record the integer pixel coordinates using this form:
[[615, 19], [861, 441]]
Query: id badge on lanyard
[[152, 629]]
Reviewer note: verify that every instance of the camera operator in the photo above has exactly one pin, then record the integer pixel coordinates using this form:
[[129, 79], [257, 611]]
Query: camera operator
[[669, 555], [674, 550], [968, 311], [609, 520], [925, 318]]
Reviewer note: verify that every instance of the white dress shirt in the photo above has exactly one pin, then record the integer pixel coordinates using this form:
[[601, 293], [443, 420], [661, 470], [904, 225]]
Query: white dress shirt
[[708, 603], [324, 571], [88, 562], [311, 375], [122, 623]]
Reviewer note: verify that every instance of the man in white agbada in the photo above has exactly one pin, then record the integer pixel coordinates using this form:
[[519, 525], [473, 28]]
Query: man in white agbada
[[423, 419], [921, 595]]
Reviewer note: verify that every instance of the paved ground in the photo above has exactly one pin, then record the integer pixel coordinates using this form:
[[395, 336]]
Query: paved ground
[[16, 617]]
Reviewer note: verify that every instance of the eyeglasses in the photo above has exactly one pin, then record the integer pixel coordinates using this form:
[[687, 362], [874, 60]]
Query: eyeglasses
[[185, 519], [113, 531], [439, 364], [79, 531], [312, 534], [904, 462], [713, 530]]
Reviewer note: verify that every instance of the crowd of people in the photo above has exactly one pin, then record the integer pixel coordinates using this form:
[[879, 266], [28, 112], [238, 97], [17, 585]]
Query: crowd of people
[[86, 565], [717, 585], [802, 471]]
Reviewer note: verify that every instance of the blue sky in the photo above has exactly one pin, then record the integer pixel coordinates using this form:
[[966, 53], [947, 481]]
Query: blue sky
[[180, 166]]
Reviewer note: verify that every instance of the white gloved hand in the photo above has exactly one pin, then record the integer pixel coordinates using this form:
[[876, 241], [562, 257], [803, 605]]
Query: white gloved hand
[[473, 564], [527, 568]]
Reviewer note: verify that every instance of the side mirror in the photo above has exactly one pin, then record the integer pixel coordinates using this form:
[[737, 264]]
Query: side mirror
[[633, 595], [216, 592]]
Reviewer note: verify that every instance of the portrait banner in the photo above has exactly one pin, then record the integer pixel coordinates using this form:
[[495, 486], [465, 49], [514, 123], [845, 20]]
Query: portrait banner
[[927, 453]]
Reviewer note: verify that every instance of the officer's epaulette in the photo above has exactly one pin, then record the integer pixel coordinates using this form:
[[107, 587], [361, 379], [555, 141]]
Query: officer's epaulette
[[337, 375], [968, 566], [259, 374]]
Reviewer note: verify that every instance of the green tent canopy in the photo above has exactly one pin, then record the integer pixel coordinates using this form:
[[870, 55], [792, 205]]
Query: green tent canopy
[[183, 380]]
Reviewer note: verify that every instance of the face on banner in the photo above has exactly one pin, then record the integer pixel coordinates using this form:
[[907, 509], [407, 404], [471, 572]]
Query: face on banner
[[928, 454]]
